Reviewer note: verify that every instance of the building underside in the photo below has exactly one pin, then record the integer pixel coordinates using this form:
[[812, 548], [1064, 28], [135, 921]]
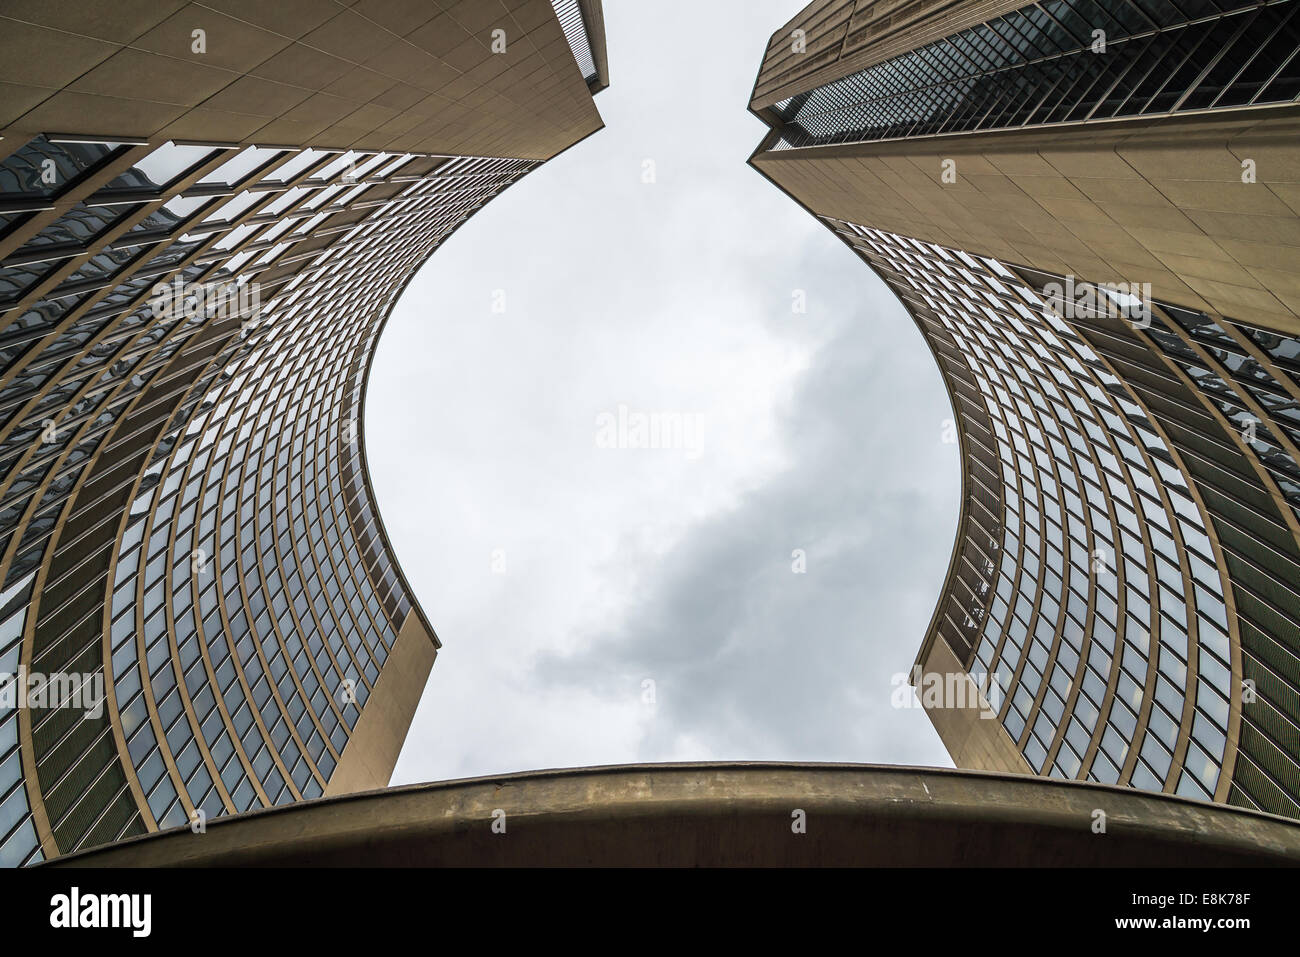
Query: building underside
[[730, 815]]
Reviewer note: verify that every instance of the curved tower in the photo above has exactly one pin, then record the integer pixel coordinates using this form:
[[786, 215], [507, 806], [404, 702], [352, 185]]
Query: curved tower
[[1091, 208], [206, 215]]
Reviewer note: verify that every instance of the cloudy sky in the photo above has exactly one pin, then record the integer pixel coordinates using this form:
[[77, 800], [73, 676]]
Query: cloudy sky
[[606, 605]]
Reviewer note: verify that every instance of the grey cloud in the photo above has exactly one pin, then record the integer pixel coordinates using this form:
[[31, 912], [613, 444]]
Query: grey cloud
[[624, 564]]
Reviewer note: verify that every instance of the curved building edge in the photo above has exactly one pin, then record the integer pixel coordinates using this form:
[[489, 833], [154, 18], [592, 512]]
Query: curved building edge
[[729, 814], [1100, 268], [95, 175]]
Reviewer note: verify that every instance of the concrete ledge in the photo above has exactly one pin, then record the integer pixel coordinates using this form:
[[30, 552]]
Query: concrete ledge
[[728, 815]]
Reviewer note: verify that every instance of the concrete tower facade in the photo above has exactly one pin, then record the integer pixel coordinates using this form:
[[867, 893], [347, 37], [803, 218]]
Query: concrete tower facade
[[1092, 211], [207, 212]]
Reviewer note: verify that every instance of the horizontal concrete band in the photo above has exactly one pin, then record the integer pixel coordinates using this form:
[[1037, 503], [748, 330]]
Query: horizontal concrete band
[[728, 814]]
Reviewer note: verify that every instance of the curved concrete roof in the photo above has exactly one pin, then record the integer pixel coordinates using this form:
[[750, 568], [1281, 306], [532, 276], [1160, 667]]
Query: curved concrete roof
[[729, 814]]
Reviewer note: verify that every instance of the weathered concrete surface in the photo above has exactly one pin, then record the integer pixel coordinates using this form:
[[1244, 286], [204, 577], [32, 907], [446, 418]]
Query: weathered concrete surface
[[401, 77], [725, 815], [1159, 199], [371, 753]]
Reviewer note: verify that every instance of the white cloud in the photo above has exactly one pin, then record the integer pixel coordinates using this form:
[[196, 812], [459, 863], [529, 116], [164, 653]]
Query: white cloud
[[821, 431]]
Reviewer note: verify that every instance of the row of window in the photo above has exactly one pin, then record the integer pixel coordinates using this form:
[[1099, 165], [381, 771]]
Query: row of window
[[1084, 484], [1062, 61], [80, 355], [275, 527]]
